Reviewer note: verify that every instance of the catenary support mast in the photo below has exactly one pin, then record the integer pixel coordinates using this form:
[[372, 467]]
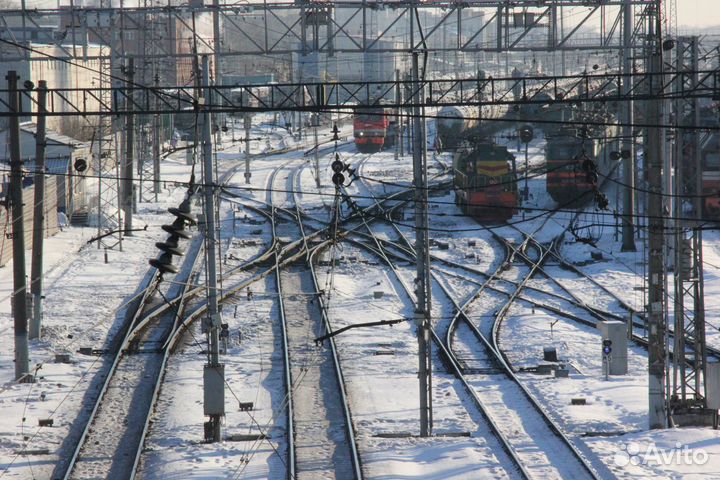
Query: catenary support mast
[[19, 299], [214, 377], [657, 308], [628, 142], [36, 274]]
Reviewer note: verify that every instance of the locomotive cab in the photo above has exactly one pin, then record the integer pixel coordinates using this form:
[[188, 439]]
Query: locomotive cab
[[486, 182], [370, 127]]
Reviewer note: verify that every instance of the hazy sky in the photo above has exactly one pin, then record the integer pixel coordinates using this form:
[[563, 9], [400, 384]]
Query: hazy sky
[[698, 13]]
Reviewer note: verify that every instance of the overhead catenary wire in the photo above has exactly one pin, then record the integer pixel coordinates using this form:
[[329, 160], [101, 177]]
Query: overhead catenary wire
[[191, 102]]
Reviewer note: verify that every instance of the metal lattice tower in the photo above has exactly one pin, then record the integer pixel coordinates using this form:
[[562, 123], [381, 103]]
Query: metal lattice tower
[[147, 135], [145, 162], [671, 18], [109, 216], [690, 356]]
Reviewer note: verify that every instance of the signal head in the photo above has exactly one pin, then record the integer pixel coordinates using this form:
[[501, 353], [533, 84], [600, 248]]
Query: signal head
[[526, 133], [80, 165], [338, 179], [337, 166]]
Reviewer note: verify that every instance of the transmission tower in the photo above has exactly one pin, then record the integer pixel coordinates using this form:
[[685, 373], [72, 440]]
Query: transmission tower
[[687, 392], [109, 217], [149, 135]]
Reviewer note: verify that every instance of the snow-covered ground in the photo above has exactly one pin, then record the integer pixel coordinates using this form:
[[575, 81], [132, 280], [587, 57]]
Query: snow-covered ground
[[85, 295]]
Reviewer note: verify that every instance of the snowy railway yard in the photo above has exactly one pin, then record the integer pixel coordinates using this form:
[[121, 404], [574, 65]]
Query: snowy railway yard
[[119, 369]]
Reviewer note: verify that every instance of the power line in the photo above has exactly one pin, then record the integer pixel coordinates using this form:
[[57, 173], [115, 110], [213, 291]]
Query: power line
[[388, 197]]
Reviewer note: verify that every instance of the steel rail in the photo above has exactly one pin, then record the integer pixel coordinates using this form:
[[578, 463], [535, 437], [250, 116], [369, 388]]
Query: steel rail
[[309, 260], [133, 313], [287, 373], [450, 360], [453, 365], [191, 267], [140, 320], [510, 252]]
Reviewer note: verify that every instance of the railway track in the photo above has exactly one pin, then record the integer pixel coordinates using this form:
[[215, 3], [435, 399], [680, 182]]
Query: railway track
[[324, 442], [319, 435], [112, 440], [537, 446]]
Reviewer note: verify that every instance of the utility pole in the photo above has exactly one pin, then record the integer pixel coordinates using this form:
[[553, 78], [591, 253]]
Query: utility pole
[[316, 121], [36, 281], [19, 299], [398, 117], [217, 71], [156, 145], [247, 123], [654, 154], [628, 141], [214, 372], [422, 282], [128, 171]]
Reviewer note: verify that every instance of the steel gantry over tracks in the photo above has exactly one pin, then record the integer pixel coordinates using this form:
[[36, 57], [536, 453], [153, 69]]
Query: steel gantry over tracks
[[329, 96], [277, 28]]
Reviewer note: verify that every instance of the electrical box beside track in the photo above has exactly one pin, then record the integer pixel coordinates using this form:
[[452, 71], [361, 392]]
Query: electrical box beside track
[[712, 382], [214, 390], [616, 332]]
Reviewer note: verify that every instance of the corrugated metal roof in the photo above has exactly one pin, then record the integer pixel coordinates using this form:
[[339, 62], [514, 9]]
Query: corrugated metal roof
[[55, 137], [52, 165]]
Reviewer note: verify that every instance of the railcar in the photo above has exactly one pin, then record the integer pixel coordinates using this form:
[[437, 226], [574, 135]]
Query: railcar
[[568, 153], [374, 128], [485, 181], [453, 124], [459, 124]]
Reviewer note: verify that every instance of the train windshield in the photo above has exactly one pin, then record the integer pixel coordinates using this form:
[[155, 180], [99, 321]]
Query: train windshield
[[712, 161], [369, 114]]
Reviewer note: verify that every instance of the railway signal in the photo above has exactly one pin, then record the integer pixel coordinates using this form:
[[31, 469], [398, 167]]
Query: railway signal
[[607, 347], [80, 165], [606, 351], [526, 134], [338, 167]]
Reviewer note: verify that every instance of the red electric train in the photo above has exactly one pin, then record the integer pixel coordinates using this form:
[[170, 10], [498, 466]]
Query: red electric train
[[567, 149], [374, 129]]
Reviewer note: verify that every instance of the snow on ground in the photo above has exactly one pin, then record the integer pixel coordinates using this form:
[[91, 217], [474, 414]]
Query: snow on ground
[[83, 296], [617, 408], [83, 307], [380, 365], [83, 303]]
